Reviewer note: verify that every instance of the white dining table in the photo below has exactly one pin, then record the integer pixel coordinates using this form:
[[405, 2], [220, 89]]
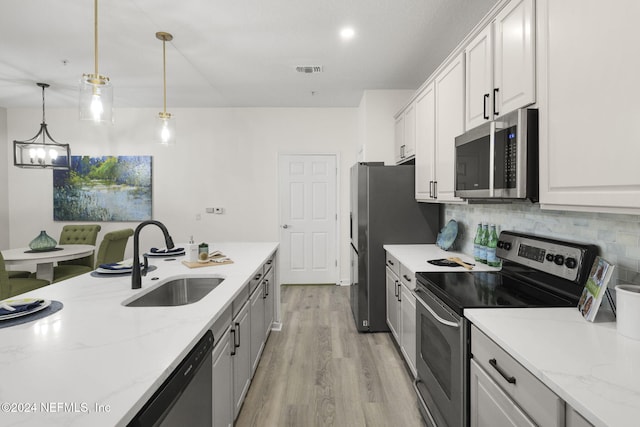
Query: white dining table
[[44, 260]]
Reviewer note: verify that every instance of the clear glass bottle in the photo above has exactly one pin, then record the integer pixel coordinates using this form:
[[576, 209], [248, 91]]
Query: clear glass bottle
[[477, 243], [492, 244]]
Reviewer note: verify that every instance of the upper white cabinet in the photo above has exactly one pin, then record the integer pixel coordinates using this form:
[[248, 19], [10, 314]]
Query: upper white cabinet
[[405, 134], [589, 109], [425, 143], [439, 118], [500, 65], [449, 110]]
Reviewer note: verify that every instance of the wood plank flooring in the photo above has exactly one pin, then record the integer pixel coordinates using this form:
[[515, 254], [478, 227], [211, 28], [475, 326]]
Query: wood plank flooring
[[319, 371]]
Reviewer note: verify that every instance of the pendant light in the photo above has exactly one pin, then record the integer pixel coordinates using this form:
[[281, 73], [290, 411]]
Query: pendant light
[[38, 154], [96, 92], [166, 127]]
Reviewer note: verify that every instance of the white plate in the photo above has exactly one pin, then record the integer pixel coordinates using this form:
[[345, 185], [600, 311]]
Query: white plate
[[164, 255], [114, 271], [45, 303]]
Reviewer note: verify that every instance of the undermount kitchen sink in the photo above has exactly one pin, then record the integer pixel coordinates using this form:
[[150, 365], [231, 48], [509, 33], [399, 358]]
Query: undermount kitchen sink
[[176, 292]]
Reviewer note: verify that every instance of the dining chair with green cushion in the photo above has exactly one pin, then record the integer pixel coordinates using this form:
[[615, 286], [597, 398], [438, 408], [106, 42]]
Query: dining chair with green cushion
[[11, 287], [76, 234], [18, 274], [79, 234], [111, 250], [112, 246]]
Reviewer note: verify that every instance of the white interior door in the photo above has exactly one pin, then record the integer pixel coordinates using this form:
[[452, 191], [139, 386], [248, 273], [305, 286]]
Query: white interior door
[[308, 218]]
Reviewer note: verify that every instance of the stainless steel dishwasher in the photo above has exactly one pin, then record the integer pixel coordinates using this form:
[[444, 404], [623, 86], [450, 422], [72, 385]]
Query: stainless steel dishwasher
[[185, 398]]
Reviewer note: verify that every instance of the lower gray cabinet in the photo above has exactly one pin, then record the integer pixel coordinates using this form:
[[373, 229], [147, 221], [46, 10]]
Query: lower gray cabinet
[[269, 302], [257, 302], [222, 382], [241, 356]]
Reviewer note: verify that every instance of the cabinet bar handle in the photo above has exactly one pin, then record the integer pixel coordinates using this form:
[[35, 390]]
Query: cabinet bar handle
[[407, 278], [509, 379], [485, 98], [395, 288], [435, 189], [237, 334], [495, 96], [390, 262], [233, 348], [431, 189]]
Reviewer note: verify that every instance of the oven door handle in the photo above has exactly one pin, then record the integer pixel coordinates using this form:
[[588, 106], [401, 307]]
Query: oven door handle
[[434, 314]]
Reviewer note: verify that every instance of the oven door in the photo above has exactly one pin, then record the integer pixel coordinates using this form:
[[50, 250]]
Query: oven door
[[441, 363]]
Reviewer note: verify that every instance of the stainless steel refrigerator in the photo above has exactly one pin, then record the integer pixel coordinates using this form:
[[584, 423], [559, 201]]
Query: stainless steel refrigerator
[[383, 211]]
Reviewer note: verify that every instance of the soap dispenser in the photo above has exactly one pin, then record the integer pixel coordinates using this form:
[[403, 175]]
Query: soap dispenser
[[192, 251]]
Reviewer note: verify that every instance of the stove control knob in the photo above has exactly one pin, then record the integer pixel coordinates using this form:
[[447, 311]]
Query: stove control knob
[[507, 246], [558, 259], [571, 262], [500, 244], [550, 257]]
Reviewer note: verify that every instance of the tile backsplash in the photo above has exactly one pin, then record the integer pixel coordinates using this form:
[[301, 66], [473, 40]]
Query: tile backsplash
[[617, 236]]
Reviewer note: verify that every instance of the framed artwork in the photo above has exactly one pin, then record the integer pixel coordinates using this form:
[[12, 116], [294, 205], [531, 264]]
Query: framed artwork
[[103, 189]]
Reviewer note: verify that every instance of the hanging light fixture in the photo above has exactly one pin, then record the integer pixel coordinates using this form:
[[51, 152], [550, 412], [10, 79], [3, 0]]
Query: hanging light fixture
[[166, 127], [96, 92], [36, 154]]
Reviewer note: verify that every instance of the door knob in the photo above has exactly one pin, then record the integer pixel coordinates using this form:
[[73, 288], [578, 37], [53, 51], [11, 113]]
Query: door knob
[[285, 226]]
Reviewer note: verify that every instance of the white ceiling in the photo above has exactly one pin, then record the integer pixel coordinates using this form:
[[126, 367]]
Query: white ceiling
[[227, 53]]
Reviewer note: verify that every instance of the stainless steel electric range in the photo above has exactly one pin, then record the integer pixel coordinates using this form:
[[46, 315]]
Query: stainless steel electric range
[[536, 272]]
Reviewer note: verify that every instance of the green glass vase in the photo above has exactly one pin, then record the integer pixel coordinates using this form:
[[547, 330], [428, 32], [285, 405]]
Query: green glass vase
[[43, 242]]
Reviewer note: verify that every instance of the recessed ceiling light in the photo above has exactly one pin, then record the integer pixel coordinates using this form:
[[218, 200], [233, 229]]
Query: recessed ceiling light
[[347, 33]]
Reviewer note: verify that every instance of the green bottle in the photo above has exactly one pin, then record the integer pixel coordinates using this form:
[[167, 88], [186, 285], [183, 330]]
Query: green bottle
[[483, 243], [492, 244], [477, 243]]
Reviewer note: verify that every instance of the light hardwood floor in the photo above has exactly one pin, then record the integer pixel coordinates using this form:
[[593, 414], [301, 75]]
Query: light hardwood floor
[[319, 371]]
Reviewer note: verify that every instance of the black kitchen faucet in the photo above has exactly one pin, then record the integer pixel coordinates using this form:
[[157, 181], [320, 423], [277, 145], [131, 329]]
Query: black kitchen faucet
[[136, 276]]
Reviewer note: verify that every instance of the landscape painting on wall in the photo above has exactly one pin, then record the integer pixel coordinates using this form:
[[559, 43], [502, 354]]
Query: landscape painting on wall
[[103, 189]]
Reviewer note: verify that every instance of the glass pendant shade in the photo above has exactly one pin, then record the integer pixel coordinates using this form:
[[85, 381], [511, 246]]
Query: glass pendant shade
[[166, 129], [96, 99]]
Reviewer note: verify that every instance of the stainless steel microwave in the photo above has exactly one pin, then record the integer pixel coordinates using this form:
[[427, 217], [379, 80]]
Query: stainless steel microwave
[[499, 159]]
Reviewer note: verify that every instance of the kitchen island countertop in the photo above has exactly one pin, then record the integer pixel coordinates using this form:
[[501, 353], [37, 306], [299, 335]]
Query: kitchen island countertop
[[589, 365], [96, 362]]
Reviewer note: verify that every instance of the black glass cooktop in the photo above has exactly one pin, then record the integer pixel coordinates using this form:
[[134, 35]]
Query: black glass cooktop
[[489, 290]]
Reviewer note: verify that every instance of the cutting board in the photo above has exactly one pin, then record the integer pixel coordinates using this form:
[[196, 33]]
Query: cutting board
[[197, 264]]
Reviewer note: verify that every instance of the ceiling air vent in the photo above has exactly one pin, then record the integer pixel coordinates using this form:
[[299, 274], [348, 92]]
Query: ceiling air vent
[[309, 69]]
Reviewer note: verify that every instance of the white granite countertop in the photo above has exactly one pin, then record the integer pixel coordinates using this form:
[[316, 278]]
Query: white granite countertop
[[415, 258], [69, 367], [589, 365]]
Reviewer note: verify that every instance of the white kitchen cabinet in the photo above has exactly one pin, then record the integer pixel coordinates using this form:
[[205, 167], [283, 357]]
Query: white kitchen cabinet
[[574, 419], [241, 355], [269, 301], [222, 381], [504, 393], [257, 303], [425, 143], [405, 134], [490, 406], [589, 107], [478, 55], [449, 119], [408, 326], [393, 308], [401, 309], [500, 65], [439, 119]]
